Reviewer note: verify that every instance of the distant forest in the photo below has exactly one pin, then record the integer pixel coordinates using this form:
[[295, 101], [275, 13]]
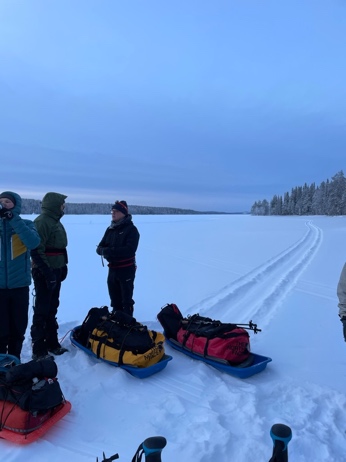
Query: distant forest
[[33, 206], [329, 198]]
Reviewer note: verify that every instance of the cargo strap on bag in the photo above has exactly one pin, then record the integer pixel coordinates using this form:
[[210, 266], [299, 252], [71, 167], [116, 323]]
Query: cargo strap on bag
[[207, 328], [118, 338], [104, 341], [215, 339]]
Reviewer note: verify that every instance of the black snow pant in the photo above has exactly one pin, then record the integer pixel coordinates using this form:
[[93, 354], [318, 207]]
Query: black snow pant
[[14, 307], [44, 329], [120, 283]]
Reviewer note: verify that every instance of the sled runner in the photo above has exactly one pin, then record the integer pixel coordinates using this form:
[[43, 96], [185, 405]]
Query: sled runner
[[139, 372], [254, 364], [32, 427]]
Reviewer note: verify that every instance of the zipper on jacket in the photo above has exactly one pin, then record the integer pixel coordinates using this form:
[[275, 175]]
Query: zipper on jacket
[[4, 236]]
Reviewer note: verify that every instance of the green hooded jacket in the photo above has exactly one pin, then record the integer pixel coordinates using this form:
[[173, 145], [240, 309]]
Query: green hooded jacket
[[52, 249]]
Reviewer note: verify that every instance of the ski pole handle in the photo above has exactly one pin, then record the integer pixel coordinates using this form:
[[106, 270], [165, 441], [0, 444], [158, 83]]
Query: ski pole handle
[[152, 448], [281, 435]]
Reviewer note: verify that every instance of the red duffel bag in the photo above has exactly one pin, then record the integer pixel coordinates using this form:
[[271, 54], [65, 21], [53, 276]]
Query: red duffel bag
[[214, 339]]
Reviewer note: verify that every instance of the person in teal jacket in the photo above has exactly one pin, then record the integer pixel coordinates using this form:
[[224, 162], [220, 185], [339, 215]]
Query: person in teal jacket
[[17, 237]]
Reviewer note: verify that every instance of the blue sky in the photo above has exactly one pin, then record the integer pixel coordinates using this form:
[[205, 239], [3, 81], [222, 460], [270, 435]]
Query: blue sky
[[209, 105]]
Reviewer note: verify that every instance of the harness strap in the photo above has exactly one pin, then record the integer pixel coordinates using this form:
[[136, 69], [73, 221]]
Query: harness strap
[[123, 263], [53, 252]]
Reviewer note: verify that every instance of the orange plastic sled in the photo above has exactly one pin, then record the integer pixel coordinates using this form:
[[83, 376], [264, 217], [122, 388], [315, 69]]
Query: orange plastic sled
[[35, 427]]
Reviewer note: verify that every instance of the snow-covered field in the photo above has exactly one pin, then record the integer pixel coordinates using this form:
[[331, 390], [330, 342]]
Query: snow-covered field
[[281, 272]]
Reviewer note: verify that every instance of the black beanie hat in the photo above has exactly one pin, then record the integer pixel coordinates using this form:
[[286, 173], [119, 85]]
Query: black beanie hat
[[6, 195], [121, 206]]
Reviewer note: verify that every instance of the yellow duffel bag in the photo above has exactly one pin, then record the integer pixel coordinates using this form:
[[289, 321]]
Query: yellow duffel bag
[[133, 345]]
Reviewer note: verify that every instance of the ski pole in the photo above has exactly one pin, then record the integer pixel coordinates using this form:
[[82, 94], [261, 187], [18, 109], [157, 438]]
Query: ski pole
[[250, 326], [281, 435], [151, 448], [108, 459]]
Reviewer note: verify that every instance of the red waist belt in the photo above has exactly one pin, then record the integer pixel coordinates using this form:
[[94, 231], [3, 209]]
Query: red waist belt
[[123, 263]]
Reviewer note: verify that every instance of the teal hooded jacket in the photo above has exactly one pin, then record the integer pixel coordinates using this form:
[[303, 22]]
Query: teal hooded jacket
[[17, 237]]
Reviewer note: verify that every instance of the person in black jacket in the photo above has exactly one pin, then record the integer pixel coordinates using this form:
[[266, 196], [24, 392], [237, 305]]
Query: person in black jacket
[[118, 246]]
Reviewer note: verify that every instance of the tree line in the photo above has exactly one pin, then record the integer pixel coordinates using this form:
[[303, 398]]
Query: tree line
[[329, 198], [33, 206]]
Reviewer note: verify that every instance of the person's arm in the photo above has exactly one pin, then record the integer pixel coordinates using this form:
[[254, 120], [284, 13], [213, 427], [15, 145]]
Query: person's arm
[[100, 248], [127, 250], [26, 231], [341, 292], [39, 257], [44, 230]]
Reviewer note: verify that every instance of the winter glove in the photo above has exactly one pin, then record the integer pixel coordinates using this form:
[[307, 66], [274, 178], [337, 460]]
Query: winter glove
[[103, 251], [6, 214], [50, 280], [343, 320], [63, 273]]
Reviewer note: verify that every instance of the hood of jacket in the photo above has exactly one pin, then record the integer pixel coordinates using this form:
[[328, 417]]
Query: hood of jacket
[[52, 203], [18, 207]]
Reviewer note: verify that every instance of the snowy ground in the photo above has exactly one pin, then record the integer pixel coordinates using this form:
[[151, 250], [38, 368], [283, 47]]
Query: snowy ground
[[280, 272]]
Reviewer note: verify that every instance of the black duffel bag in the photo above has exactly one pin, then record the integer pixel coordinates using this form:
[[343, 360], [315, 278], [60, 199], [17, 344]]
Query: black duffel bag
[[32, 386]]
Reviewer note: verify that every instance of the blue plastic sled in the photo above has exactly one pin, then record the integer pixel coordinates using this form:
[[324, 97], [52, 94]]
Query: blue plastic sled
[[255, 364], [139, 372], [8, 361]]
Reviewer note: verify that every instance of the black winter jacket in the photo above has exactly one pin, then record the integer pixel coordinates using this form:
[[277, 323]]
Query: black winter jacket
[[119, 243]]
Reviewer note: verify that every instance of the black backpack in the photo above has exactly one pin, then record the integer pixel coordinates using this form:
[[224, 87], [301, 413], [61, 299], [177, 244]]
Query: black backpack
[[126, 333], [93, 319], [32, 386], [170, 319], [122, 330]]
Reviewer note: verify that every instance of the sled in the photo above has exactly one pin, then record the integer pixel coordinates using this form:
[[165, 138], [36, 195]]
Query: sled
[[138, 372], [8, 361], [24, 437], [255, 364]]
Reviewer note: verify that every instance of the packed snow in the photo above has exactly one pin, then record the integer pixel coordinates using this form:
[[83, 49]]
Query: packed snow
[[279, 272]]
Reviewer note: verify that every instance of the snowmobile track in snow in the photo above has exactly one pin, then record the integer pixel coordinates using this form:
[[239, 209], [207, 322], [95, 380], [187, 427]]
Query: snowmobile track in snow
[[258, 294]]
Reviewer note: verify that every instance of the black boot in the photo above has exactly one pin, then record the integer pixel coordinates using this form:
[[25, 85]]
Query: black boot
[[58, 351]]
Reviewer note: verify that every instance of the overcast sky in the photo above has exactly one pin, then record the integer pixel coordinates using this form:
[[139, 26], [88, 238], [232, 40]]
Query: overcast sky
[[203, 104]]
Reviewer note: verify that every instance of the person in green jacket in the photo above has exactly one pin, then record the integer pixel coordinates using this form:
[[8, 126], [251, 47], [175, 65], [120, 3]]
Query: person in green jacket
[[49, 269], [17, 237]]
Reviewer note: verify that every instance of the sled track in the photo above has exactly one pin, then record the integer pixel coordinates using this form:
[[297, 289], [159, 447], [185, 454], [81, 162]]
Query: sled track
[[258, 294]]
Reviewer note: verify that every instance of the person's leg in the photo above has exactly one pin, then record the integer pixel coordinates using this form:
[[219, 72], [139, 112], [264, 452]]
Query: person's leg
[[4, 320], [18, 319], [114, 290], [41, 311], [126, 278], [52, 326]]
